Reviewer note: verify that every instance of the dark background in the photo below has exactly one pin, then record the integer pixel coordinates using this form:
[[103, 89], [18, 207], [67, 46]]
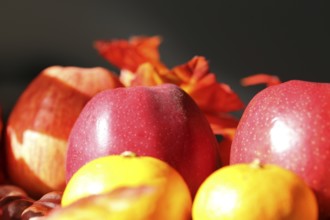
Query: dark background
[[239, 38]]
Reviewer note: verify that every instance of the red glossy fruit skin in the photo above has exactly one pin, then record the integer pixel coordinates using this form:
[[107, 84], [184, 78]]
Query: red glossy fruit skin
[[160, 121], [289, 125]]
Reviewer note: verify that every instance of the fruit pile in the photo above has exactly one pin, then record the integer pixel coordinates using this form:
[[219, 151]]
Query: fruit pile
[[87, 143]]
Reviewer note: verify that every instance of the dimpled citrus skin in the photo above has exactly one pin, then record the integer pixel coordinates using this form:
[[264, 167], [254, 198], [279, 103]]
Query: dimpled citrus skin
[[254, 191], [109, 173]]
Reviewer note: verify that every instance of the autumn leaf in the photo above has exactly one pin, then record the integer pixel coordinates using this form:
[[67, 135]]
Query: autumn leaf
[[132, 53], [215, 99], [212, 96], [260, 78], [146, 75]]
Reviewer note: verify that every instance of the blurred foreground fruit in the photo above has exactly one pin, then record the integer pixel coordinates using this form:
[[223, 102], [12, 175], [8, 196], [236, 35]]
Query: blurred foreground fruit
[[40, 123], [289, 125], [252, 192], [160, 121], [13, 201], [16, 204], [43, 206], [108, 173], [128, 203]]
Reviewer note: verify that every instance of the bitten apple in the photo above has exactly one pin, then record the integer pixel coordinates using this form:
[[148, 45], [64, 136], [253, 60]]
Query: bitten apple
[[289, 125], [40, 123], [160, 121]]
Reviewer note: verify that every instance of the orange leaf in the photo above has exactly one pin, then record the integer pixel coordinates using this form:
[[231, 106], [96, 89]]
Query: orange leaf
[[126, 77], [147, 75], [260, 78], [215, 99], [222, 123], [132, 53], [201, 85]]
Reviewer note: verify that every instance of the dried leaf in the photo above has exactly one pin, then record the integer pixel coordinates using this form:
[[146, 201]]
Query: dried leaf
[[260, 78], [132, 53], [211, 96]]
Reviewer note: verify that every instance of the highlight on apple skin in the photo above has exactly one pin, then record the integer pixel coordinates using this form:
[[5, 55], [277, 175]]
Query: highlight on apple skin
[[41, 120], [289, 125], [160, 121]]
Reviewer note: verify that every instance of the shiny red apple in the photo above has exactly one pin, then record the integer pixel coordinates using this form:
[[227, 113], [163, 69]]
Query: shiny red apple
[[160, 121], [289, 125], [40, 123]]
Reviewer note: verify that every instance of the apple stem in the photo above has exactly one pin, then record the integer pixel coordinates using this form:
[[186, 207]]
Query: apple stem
[[128, 154], [256, 163]]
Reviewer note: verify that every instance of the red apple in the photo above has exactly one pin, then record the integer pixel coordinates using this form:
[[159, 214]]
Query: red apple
[[289, 125], [160, 121], [40, 123]]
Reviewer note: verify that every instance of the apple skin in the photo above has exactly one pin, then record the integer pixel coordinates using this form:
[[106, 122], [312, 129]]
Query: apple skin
[[289, 125], [41, 120], [160, 121]]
